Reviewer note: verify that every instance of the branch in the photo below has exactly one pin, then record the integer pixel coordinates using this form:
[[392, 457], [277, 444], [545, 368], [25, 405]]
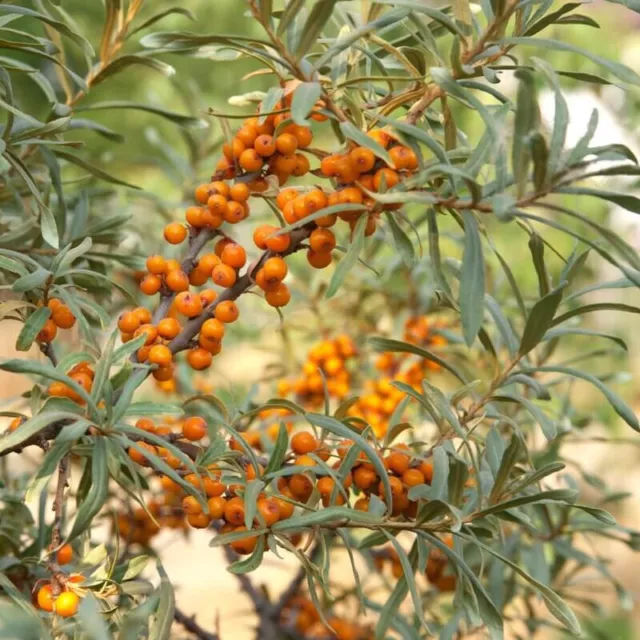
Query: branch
[[190, 624], [58, 502], [242, 285]]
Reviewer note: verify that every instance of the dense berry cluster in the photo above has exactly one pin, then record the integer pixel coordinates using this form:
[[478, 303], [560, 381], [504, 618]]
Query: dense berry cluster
[[60, 317], [326, 362], [82, 374], [62, 594]]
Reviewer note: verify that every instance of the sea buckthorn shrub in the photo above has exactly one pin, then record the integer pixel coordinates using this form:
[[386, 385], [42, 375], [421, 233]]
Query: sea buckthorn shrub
[[386, 213]]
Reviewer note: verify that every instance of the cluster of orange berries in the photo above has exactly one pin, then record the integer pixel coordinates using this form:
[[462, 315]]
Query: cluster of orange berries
[[82, 374], [61, 317], [418, 330], [328, 358], [268, 145], [301, 613], [358, 172], [65, 603]]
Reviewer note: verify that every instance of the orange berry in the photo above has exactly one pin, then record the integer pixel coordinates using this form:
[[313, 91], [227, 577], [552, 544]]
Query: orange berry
[[233, 150], [207, 262], [322, 241], [16, 422], [234, 255], [245, 546], [63, 317], [227, 311], [163, 374], [316, 200], [216, 507], [156, 264], [302, 166], [286, 143], [172, 265], [247, 134], [194, 428], [65, 554], [260, 235], [218, 205], [397, 462], [304, 135], [45, 598], [304, 442], [53, 304], [318, 260], [210, 344], [239, 192], [202, 193], [48, 331], [177, 280], [391, 178], [208, 296], [195, 216], [259, 185], [175, 233], [365, 478], [285, 196], [188, 304], [426, 468], [274, 270], [265, 145], [279, 296], [161, 355], [301, 487], [213, 329], [278, 244], [351, 195], [198, 520], [329, 166], [67, 604], [403, 158], [234, 511], [236, 212], [199, 358], [220, 187], [412, 477], [250, 160], [269, 510], [224, 276], [150, 284], [168, 328], [362, 159], [198, 277], [286, 165], [382, 137]]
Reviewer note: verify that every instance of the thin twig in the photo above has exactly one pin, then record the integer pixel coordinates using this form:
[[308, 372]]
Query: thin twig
[[190, 624], [58, 502]]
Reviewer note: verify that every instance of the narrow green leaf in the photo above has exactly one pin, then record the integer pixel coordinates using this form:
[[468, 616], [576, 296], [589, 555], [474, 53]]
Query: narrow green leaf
[[163, 620], [304, 98], [348, 261], [316, 22], [31, 328], [92, 169], [402, 242], [472, 282], [540, 319]]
